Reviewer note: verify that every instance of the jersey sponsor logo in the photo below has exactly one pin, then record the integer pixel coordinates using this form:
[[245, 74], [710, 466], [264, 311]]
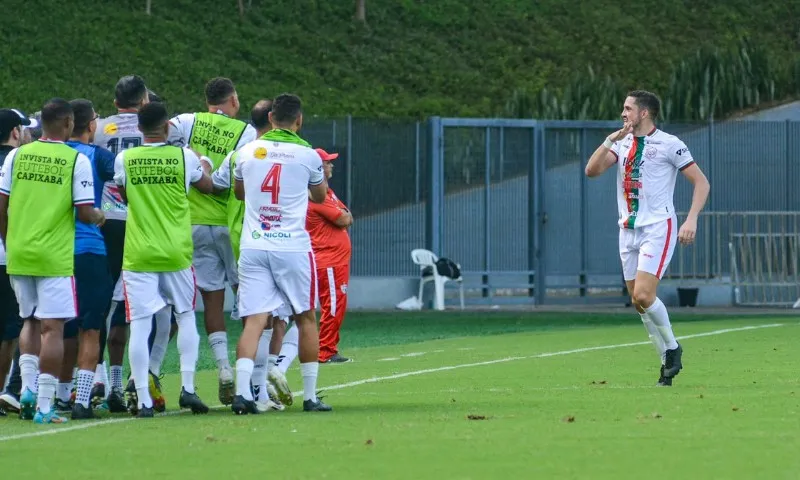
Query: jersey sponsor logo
[[86, 183], [281, 155], [211, 137], [255, 234], [110, 129], [260, 153], [343, 288], [681, 151], [40, 168], [153, 171]]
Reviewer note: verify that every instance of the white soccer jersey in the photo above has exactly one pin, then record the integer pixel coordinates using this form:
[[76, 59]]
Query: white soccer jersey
[[117, 133], [647, 169], [276, 177]]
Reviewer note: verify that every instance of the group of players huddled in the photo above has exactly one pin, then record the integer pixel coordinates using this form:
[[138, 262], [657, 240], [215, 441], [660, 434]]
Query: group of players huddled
[[110, 226]]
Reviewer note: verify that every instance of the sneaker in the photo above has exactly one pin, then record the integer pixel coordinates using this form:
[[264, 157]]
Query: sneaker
[[336, 358], [61, 406], [131, 397], [116, 401], [662, 380], [159, 401], [241, 406], [226, 388], [192, 401], [145, 412], [49, 417], [3, 412], [673, 365], [79, 412], [98, 394], [9, 402], [278, 381], [316, 406], [27, 405], [267, 405]]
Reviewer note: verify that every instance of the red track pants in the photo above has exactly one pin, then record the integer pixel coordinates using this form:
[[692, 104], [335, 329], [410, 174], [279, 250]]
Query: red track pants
[[333, 304]]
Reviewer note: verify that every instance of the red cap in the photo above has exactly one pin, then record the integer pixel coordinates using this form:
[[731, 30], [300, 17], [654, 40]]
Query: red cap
[[325, 156]]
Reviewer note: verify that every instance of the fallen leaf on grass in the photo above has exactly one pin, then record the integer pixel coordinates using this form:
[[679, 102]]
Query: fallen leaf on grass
[[700, 396], [476, 417], [568, 419], [369, 442], [735, 409], [656, 415], [211, 438], [601, 382]]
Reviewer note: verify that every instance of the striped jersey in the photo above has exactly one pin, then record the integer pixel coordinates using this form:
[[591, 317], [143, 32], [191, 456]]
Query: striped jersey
[[647, 169], [117, 133]]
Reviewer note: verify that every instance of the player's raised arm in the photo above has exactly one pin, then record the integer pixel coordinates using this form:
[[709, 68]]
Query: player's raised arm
[[606, 154]]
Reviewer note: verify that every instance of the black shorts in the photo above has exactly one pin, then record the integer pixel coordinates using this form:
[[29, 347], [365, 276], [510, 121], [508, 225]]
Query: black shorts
[[94, 289], [10, 323]]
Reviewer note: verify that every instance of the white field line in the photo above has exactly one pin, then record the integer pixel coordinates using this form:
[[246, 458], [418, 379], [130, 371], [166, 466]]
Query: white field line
[[83, 426]]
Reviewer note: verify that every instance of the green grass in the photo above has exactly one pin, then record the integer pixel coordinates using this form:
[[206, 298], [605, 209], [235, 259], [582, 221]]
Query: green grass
[[412, 59], [731, 414]]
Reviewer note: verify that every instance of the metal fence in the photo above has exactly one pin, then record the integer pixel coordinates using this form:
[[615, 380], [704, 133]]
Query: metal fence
[[508, 199]]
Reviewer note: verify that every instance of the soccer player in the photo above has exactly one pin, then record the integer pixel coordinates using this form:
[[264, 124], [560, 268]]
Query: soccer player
[[327, 224], [49, 178], [93, 281], [214, 133], [157, 262], [273, 176], [118, 133], [648, 162]]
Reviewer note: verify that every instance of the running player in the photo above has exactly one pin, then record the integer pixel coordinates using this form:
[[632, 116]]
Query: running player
[[214, 134], [92, 278], [273, 176], [648, 162], [47, 177], [157, 262]]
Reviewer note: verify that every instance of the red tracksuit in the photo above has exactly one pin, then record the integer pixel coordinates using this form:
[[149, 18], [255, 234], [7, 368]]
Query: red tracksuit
[[331, 245]]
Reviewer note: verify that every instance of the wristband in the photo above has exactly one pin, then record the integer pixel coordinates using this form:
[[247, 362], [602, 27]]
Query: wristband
[[608, 144]]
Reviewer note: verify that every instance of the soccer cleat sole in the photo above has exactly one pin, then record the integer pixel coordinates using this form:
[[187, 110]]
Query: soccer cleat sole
[[226, 390]]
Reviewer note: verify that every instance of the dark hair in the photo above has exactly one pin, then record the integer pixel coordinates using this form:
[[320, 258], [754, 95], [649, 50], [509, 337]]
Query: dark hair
[[219, 90], [55, 111], [130, 91], [647, 101], [153, 96], [286, 108], [84, 114], [152, 118], [259, 115]]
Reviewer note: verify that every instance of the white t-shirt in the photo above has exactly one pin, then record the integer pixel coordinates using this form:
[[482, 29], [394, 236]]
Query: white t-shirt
[[82, 183], [117, 133], [276, 177], [192, 170], [647, 169], [180, 131]]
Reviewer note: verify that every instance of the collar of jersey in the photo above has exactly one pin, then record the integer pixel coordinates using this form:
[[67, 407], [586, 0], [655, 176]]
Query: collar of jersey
[[285, 136], [157, 144]]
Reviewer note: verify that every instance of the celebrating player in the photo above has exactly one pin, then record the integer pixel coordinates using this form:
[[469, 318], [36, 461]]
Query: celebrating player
[[53, 180], [214, 134], [649, 160], [157, 265], [273, 175]]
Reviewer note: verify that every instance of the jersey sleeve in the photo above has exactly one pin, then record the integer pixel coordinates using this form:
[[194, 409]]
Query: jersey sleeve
[[119, 169], [237, 170], [314, 165], [681, 156], [222, 176], [5, 173], [325, 210], [82, 182], [615, 150], [105, 164], [180, 128], [194, 172], [248, 136]]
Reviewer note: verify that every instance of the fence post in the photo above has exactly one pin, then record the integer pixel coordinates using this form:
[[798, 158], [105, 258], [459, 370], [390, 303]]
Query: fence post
[[582, 180], [537, 218], [416, 162], [788, 178], [487, 179], [350, 163], [433, 207]]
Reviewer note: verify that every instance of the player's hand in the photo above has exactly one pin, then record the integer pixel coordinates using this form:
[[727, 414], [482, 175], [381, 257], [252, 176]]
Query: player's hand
[[627, 128], [688, 231], [100, 217], [205, 164]]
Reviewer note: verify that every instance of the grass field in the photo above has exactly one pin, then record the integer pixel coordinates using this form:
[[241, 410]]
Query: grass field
[[474, 395]]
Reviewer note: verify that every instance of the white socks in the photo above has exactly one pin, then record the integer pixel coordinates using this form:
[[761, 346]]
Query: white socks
[[116, 376], [47, 390], [64, 391], [244, 371], [260, 368], [218, 341], [161, 340], [660, 318], [309, 371], [139, 358], [189, 347], [288, 349], [28, 371], [85, 379], [655, 336]]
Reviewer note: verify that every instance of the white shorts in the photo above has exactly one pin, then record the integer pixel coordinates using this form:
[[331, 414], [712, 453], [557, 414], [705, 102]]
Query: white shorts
[[119, 295], [269, 279], [46, 297], [213, 257], [647, 248], [148, 292], [282, 313]]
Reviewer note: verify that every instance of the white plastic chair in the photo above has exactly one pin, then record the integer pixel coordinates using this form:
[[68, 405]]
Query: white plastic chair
[[426, 258]]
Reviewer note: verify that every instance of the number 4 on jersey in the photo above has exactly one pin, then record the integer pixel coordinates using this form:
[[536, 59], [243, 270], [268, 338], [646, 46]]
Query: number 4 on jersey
[[272, 182]]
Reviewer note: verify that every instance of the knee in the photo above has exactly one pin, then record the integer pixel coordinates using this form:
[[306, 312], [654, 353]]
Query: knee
[[643, 298]]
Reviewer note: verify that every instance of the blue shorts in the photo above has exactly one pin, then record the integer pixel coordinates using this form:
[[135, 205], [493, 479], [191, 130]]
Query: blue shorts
[[10, 323], [94, 288]]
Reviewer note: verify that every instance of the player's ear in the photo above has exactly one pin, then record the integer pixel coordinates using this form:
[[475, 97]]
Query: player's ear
[[299, 122]]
